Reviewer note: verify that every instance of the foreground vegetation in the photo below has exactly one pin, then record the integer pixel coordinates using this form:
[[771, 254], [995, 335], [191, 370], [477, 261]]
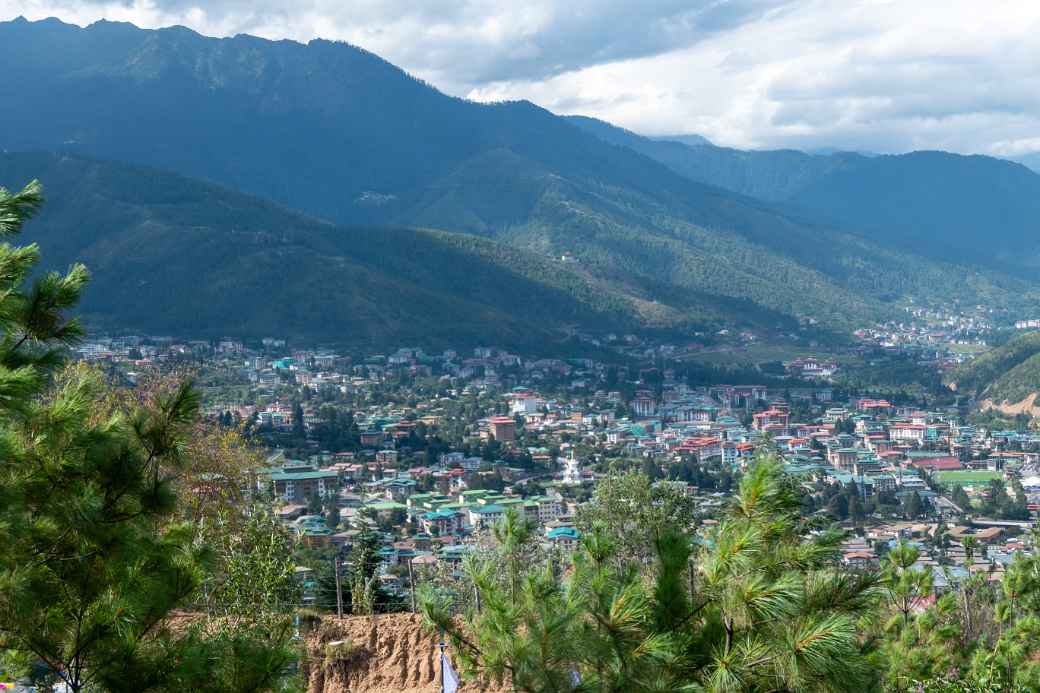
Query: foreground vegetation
[[128, 561], [756, 602]]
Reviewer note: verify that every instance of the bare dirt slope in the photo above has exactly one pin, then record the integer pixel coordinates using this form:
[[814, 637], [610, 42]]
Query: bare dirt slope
[[1027, 406], [389, 653]]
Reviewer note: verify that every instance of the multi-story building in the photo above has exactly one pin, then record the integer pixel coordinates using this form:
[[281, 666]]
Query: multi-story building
[[771, 420], [701, 449], [502, 428], [485, 516], [303, 486], [441, 522]]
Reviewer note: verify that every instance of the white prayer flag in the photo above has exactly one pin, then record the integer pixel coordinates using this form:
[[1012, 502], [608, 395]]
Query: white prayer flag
[[449, 679]]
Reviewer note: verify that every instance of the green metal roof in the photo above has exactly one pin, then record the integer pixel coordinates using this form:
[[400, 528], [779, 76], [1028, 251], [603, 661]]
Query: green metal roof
[[387, 505], [303, 476]]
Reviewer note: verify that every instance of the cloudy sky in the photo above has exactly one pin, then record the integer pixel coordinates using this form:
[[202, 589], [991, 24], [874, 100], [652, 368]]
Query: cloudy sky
[[878, 75]]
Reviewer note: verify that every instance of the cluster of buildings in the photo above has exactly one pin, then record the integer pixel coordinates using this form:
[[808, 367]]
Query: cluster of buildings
[[443, 445]]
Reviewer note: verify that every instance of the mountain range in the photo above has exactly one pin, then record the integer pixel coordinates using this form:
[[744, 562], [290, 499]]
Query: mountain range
[[246, 186], [970, 209]]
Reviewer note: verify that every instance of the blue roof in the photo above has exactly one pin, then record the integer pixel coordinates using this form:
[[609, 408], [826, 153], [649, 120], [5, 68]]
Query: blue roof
[[563, 532]]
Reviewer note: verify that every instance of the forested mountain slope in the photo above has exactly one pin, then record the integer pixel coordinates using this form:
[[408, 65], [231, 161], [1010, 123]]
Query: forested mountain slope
[[772, 175], [341, 134], [1008, 374], [173, 255], [975, 210]]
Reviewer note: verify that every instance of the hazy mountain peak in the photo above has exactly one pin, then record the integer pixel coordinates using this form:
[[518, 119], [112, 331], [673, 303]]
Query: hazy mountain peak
[[690, 139]]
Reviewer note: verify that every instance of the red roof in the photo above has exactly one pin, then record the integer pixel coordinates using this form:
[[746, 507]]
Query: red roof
[[938, 463], [700, 442], [502, 420]]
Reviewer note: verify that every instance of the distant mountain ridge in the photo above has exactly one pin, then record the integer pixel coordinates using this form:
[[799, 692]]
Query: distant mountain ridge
[[340, 134], [774, 175], [689, 140], [1030, 161], [945, 206]]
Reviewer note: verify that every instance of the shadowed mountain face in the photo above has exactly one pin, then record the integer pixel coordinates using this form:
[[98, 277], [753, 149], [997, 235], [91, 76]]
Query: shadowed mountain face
[[968, 209], [342, 135]]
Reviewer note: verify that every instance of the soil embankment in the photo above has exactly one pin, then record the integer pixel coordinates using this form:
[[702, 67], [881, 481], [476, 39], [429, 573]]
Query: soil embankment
[[1026, 406], [388, 653]]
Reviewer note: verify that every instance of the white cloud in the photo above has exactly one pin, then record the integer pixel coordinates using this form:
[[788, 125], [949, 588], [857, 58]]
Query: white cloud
[[461, 42], [860, 74], [883, 75]]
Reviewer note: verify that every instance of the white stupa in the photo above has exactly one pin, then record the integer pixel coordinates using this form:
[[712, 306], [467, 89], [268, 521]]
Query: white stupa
[[571, 471]]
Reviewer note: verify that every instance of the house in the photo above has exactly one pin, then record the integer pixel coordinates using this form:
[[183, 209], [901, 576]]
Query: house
[[843, 458], [485, 516], [859, 560], [372, 438], [884, 483], [441, 522], [543, 509], [771, 419], [524, 402], [302, 486], [701, 449], [907, 432], [564, 537], [313, 531], [400, 488], [387, 457], [644, 404], [449, 459], [502, 428]]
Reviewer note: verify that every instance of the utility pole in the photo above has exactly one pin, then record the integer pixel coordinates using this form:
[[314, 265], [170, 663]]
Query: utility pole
[[689, 576], [339, 588], [411, 583], [444, 685]]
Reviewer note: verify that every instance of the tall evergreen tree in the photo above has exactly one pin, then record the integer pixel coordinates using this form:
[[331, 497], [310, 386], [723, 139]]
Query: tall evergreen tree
[[299, 431], [94, 561]]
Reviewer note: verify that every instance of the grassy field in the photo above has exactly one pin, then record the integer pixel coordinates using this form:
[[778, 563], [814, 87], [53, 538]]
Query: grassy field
[[967, 348], [760, 353], [966, 477]]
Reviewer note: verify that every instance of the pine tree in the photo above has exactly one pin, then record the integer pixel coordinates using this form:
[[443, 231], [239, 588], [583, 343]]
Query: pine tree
[[912, 508], [961, 499], [94, 561], [759, 606], [906, 585], [298, 430]]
